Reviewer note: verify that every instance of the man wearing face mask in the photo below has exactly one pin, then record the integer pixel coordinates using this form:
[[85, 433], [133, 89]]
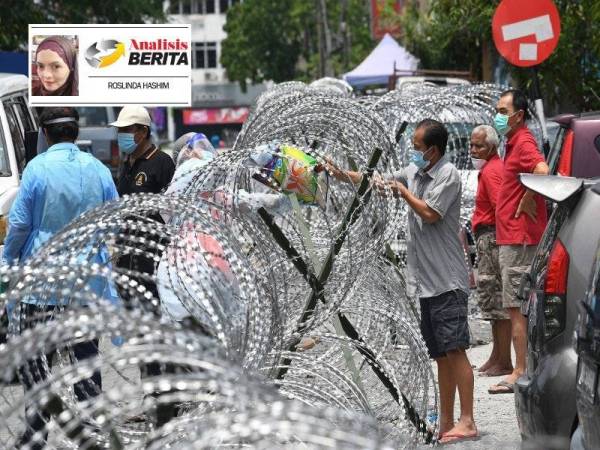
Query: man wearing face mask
[[484, 155], [437, 268], [520, 218], [146, 168]]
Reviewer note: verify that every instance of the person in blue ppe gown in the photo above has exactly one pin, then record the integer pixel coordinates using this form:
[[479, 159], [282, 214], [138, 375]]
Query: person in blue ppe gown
[[57, 186]]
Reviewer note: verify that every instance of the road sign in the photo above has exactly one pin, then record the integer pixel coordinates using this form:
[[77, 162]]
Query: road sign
[[526, 32]]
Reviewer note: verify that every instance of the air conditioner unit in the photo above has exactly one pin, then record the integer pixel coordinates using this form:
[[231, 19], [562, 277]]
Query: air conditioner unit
[[211, 76]]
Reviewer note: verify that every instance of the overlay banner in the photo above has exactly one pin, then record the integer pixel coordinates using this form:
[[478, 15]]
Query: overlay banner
[[111, 65]]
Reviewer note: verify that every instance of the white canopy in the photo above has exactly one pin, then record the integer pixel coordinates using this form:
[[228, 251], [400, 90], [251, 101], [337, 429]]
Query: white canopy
[[379, 65]]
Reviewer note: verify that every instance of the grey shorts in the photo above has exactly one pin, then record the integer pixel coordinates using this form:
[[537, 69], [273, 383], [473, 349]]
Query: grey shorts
[[444, 324], [514, 262], [489, 279]]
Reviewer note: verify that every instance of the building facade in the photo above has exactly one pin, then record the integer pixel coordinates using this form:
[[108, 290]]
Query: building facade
[[219, 107]]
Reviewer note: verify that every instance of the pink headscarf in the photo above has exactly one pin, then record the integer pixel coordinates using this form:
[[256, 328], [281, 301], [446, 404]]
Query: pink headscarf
[[63, 48]]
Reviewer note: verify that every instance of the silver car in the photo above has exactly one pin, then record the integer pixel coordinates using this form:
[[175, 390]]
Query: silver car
[[558, 279]]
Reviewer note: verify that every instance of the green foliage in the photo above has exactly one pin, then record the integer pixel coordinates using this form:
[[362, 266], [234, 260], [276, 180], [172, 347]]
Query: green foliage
[[454, 34], [450, 36], [263, 41], [17, 14], [571, 75], [278, 39]]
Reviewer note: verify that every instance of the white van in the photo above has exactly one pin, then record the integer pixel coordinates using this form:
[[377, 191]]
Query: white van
[[16, 119]]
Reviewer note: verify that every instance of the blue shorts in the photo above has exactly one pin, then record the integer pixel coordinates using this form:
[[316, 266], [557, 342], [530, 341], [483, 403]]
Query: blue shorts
[[444, 323]]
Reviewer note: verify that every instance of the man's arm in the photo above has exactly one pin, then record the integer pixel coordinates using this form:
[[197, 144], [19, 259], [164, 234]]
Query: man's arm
[[428, 214], [347, 176], [527, 204]]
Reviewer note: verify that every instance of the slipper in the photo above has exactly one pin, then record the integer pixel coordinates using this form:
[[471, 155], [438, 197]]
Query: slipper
[[500, 374], [458, 437], [510, 389]]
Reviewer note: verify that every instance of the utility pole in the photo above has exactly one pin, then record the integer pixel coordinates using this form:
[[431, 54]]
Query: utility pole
[[345, 33], [324, 38]]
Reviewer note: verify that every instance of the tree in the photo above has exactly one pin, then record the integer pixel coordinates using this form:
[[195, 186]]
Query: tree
[[16, 15], [283, 40], [457, 35], [263, 41]]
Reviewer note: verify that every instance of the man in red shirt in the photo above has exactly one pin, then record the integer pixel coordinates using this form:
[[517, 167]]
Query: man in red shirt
[[484, 155], [520, 218]]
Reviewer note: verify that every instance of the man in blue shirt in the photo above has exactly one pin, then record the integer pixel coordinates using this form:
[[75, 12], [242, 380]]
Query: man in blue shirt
[[57, 186]]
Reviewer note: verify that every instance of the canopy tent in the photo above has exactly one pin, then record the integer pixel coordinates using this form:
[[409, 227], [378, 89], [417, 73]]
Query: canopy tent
[[379, 65]]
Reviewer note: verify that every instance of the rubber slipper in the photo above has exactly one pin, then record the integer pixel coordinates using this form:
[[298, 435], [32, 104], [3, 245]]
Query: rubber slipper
[[510, 389], [501, 374], [458, 437]]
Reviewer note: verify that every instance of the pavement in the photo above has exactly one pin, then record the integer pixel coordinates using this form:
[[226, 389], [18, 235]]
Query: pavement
[[494, 414]]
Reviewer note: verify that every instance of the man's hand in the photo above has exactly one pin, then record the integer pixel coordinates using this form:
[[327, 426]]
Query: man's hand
[[528, 206], [395, 186], [332, 169], [346, 176]]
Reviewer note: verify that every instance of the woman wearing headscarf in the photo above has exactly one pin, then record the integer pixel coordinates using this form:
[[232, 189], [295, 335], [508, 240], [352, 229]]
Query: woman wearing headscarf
[[56, 62]]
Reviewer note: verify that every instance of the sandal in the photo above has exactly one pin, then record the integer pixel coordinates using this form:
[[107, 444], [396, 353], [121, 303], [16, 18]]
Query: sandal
[[509, 388]]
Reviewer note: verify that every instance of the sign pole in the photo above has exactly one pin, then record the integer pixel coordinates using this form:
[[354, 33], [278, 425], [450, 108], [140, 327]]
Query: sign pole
[[539, 109]]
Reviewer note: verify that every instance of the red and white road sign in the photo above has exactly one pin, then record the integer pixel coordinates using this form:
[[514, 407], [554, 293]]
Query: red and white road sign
[[526, 32]]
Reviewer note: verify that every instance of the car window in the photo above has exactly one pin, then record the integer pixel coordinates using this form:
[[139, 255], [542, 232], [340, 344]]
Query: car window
[[19, 105], [93, 116], [16, 135], [554, 156], [4, 161]]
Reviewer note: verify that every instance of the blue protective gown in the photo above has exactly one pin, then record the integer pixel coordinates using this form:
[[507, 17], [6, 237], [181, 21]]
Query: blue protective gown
[[57, 187]]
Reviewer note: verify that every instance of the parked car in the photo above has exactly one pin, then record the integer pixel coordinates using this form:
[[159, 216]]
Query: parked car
[[588, 367], [576, 149], [17, 120], [403, 83], [557, 280]]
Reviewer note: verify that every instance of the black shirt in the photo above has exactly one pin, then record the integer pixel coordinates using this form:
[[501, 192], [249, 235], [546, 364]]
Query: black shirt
[[152, 172]]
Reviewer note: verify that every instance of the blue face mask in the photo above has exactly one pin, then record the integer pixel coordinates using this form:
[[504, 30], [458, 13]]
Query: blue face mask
[[418, 158], [126, 143], [501, 123]]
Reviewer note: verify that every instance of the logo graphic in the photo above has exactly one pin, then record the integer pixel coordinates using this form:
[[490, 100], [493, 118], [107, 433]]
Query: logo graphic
[[140, 179], [104, 53], [540, 27]]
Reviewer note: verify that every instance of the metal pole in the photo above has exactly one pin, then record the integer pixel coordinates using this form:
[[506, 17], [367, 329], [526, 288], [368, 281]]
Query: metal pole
[[539, 108]]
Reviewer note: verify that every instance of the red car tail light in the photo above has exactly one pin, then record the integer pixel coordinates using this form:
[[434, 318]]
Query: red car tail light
[[566, 155], [558, 270], [555, 290]]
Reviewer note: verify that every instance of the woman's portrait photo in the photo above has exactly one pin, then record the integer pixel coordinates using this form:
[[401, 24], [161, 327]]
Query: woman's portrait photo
[[54, 66]]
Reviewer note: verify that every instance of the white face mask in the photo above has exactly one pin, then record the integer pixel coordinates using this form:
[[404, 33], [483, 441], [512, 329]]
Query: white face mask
[[478, 163]]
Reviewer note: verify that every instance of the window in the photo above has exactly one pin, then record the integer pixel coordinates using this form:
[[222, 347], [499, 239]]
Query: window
[[195, 6], [204, 55], [16, 136], [174, 6], [209, 6], [92, 116], [4, 161], [224, 5], [22, 111]]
